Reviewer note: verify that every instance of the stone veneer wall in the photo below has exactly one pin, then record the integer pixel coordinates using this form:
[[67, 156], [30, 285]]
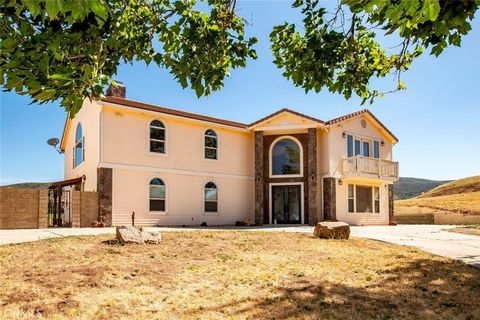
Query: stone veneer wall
[[259, 179], [28, 208], [104, 187], [391, 208], [312, 176], [84, 208], [329, 199], [23, 208]]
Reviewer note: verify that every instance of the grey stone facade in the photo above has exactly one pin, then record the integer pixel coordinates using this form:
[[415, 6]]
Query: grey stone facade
[[312, 176], [329, 199], [104, 188], [391, 207], [259, 179]]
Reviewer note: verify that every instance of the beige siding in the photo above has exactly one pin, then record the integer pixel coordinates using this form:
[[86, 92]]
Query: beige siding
[[89, 117], [337, 144], [361, 218], [184, 199], [126, 141], [322, 165]]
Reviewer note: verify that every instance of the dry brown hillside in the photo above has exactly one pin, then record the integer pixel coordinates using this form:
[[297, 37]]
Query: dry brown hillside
[[466, 185], [459, 196]]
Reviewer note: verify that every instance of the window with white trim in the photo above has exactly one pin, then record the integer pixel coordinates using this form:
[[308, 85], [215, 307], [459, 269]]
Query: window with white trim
[[363, 147], [211, 197], [157, 195], [157, 136], [79, 148], [363, 199], [211, 144]]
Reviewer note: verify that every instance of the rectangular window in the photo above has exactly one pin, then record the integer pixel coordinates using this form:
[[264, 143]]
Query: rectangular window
[[157, 205], [351, 198], [349, 145], [363, 199], [366, 149], [357, 147], [211, 199], [376, 149]]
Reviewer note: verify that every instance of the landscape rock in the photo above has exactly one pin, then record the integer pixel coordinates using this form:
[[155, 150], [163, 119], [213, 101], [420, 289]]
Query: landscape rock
[[332, 230], [131, 234], [244, 223]]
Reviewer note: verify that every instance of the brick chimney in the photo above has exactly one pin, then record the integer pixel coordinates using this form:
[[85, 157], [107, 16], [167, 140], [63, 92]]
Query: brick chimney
[[119, 91]]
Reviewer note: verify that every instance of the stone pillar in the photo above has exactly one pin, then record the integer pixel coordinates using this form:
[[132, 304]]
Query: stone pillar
[[104, 188], [75, 209], [259, 178], [329, 199], [390, 203], [312, 176], [42, 208]]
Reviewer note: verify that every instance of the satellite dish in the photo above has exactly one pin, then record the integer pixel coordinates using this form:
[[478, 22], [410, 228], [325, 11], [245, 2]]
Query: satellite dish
[[53, 142]]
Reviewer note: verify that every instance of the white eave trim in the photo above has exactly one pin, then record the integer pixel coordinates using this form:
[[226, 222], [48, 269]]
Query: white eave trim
[[313, 124], [286, 127]]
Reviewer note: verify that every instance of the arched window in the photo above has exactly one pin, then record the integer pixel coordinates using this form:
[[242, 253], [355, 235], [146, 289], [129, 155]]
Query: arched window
[[79, 148], [286, 158], [211, 197], [157, 136], [157, 195], [211, 144]]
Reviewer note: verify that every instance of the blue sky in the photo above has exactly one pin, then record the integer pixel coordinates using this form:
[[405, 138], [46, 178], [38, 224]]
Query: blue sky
[[437, 119]]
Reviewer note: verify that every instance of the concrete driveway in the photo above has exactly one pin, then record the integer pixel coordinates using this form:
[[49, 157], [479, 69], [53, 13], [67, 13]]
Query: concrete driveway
[[431, 238]]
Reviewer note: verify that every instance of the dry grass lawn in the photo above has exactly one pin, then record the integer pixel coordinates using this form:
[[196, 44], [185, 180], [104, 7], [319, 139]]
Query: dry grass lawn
[[466, 203], [233, 275]]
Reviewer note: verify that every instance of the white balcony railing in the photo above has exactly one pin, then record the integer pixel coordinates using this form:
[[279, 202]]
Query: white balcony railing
[[370, 166]]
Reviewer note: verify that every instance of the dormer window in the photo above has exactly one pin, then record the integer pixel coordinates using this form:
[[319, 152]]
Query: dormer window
[[157, 136]]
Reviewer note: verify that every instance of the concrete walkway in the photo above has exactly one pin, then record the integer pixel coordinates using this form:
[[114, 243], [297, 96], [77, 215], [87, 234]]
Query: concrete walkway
[[431, 238]]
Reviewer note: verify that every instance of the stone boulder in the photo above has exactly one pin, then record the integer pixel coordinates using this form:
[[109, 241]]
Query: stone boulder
[[332, 230], [130, 234], [244, 223]]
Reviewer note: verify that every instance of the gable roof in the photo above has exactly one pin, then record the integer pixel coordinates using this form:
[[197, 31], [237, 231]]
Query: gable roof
[[284, 110], [358, 113], [174, 112]]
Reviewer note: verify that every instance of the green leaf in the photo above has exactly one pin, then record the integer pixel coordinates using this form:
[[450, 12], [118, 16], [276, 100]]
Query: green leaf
[[54, 7], [431, 9]]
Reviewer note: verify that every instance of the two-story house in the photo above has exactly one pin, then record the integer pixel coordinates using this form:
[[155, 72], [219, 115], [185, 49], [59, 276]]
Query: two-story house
[[172, 167]]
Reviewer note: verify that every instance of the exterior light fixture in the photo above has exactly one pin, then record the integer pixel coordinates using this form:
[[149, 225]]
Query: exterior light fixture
[[340, 182], [382, 143], [344, 134]]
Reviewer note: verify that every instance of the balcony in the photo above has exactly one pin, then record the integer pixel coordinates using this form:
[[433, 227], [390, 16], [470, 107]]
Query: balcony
[[370, 168]]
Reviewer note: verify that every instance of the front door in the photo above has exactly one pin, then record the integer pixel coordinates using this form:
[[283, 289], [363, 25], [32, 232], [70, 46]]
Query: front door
[[286, 204]]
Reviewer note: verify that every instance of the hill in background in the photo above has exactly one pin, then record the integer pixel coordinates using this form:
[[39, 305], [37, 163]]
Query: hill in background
[[466, 185], [406, 188], [459, 196], [30, 185]]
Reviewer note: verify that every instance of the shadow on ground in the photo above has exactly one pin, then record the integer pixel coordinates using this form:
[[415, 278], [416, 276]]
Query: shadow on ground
[[421, 289]]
